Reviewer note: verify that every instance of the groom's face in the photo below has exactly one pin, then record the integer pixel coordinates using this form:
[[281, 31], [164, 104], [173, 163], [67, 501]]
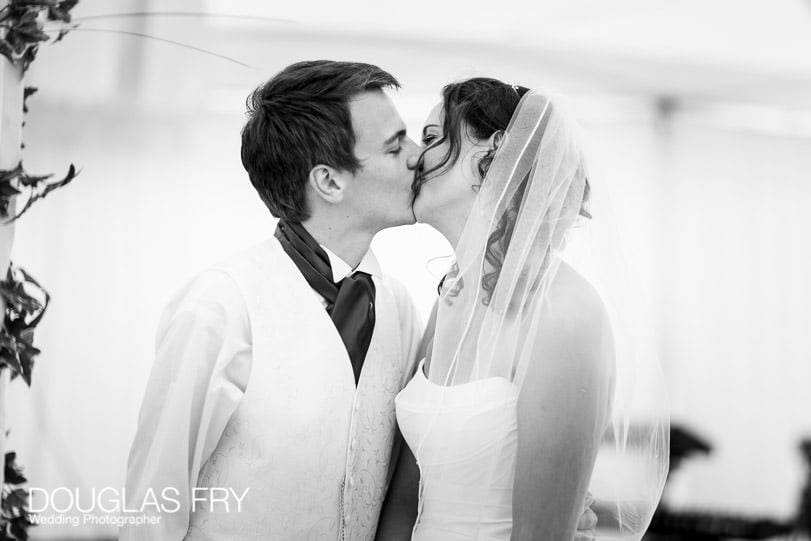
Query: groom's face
[[380, 191]]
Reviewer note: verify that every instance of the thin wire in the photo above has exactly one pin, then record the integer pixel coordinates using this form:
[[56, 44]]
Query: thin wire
[[156, 38], [182, 14]]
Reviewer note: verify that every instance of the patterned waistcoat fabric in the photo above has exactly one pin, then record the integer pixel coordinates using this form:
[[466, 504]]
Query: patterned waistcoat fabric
[[314, 452]]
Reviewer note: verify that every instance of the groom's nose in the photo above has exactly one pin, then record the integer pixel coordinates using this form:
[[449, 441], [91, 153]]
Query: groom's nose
[[413, 154]]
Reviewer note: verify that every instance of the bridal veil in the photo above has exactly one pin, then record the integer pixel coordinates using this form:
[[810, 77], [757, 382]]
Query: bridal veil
[[501, 302]]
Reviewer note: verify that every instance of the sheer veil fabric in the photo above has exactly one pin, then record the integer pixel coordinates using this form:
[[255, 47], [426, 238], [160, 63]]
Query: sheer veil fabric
[[507, 296]]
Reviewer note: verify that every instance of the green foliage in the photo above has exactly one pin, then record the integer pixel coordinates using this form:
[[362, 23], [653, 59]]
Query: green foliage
[[14, 516], [21, 33], [16, 181], [21, 29], [26, 302]]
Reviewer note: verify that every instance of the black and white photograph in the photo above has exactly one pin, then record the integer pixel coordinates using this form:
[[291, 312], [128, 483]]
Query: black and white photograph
[[429, 271]]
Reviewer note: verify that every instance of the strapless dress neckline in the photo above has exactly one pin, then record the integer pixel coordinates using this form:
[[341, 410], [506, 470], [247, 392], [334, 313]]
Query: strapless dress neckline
[[464, 438]]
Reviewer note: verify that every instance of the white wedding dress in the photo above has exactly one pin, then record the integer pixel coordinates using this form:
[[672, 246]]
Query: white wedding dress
[[466, 450]]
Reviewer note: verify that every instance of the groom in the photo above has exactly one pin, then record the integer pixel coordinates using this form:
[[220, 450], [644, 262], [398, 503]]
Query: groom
[[269, 412]]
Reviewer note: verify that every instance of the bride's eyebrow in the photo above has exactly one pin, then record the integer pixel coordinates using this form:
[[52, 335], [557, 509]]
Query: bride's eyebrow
[[425, 128]]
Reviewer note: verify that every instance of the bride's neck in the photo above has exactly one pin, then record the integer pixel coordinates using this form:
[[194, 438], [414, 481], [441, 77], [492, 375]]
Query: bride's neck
[[450, 225]]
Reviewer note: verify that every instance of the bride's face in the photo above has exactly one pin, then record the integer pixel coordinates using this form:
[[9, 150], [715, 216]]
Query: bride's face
[[445, 196]]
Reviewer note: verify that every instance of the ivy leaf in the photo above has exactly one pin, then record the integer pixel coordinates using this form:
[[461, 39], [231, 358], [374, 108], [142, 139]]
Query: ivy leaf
[[18, 528], [32, 180], [48, 187], [9, 174], [23, 313], [7, 190], [27, 337], [26, 32], [26, 357], [72, 172], [17, 498], [13, 473], [27, 57], [20, 302], [61, 11], [27, 277], [38, 3], [22, 307], [7, 51], [28, 91], [4, 208], [27, 16], [36, 183], [9, 356]]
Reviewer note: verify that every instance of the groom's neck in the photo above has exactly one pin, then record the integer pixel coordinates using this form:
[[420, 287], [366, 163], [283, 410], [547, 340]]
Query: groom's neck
[[344, 239]]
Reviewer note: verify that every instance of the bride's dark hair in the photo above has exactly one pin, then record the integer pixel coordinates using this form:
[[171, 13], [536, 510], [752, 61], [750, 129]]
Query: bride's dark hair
[[478, 108]]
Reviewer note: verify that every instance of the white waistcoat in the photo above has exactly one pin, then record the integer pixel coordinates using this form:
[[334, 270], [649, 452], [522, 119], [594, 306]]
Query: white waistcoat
[[314, 453]]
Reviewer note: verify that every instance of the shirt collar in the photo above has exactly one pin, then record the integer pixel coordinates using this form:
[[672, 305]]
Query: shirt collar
[[341, 269]]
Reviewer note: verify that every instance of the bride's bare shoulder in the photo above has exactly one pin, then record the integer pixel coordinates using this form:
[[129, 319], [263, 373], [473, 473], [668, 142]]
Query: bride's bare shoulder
[[571, 295], [577, 326], [575, 330]]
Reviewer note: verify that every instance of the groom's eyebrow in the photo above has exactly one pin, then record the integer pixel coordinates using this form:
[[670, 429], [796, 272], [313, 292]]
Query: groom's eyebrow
[[400, 134]]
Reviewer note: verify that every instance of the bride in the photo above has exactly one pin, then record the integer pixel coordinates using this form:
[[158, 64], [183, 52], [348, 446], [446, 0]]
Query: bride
[[520, 409]]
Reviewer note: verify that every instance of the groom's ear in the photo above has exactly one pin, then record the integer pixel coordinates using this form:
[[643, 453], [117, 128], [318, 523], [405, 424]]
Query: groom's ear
[[327, 183]]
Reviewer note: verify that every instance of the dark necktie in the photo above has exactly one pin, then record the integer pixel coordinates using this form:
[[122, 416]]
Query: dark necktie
[[350, 302]]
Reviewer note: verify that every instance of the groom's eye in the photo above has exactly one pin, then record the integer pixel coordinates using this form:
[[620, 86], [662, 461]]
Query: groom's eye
[[396, 151]]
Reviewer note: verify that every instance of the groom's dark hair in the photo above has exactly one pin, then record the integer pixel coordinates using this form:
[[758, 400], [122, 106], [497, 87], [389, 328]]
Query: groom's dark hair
[[299, 119]]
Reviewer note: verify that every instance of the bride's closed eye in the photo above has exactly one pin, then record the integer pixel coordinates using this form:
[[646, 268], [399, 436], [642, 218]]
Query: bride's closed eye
[[431, 134], [429, 139]]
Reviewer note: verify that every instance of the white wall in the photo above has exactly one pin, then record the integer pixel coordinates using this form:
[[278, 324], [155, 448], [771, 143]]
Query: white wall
[[736, 303]]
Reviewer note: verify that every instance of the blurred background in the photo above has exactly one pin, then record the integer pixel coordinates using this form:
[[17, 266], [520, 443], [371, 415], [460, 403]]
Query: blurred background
[[697, 118]]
